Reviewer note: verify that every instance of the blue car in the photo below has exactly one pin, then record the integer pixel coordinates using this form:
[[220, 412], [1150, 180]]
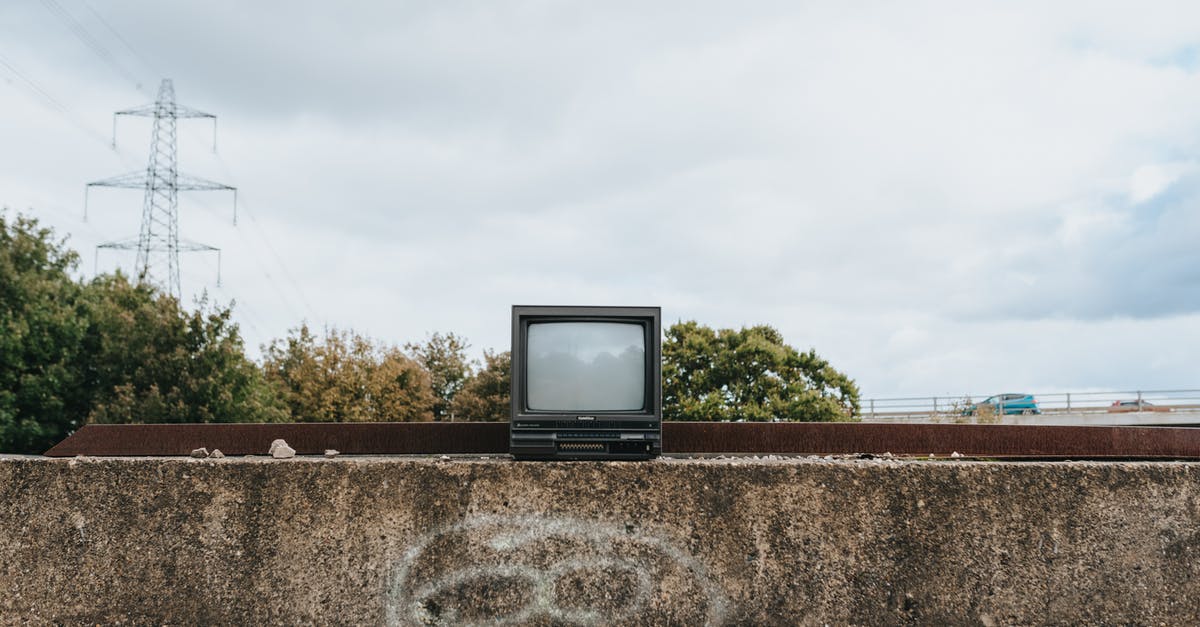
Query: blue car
[[1007, 404]]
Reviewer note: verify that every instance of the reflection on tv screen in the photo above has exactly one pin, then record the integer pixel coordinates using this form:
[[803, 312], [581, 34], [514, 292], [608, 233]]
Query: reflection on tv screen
[[586, 366]]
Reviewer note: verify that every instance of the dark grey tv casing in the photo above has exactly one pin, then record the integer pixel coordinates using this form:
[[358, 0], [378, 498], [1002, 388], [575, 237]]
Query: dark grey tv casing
[[592, 435]]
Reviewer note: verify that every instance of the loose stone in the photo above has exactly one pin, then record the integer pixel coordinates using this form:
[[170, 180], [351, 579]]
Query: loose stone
[[281, 450]]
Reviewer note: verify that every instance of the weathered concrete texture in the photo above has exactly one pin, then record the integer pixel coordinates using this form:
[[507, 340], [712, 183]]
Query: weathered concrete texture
[[672, 541]]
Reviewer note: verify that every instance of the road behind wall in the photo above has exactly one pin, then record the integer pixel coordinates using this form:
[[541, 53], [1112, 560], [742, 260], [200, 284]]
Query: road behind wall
[[673, 541]]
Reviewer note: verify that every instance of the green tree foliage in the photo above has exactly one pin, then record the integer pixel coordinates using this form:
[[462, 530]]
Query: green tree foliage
[[109, 351], [485, 395], [749, 374], [345, 377], [41, 328], [445, 358], [148, 360]]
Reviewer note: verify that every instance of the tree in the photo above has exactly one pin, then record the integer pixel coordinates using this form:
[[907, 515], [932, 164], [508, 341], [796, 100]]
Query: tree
[[109, 351], [749, 374], [148, 360], [445, 357], [345, 377], [40, 331], [485, 396]]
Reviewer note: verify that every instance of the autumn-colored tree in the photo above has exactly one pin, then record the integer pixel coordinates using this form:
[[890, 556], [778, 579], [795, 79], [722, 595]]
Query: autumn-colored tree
[[444, 356], [345, 377], [485, 395], [749, 374]]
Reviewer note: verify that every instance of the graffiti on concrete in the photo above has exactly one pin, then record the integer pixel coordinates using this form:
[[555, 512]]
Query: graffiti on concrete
[[503, 570]]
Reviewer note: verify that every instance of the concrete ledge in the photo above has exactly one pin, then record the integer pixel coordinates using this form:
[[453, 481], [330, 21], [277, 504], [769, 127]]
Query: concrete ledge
[[674, 541]]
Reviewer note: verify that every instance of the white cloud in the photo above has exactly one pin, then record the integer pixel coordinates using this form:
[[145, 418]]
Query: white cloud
[[1152, 179]]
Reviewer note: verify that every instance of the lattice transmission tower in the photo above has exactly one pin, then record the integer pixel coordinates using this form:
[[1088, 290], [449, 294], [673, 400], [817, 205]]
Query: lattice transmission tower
[[158, 244]]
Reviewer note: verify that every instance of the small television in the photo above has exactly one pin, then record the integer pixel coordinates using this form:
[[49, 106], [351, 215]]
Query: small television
[[586, 383]]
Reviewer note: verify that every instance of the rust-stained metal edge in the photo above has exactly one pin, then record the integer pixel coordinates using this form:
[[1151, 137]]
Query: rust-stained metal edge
[[1021, 441], [444, 438], [368, 438]]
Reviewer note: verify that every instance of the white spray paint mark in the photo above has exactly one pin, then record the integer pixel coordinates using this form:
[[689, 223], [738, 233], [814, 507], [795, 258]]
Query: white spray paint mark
[[515, 539]]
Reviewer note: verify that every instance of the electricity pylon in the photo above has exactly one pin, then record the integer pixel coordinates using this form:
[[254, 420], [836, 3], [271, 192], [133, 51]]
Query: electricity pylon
[[158, 244]]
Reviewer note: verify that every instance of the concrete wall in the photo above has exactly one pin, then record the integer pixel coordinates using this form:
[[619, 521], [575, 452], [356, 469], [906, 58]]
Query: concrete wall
[[673, 541]]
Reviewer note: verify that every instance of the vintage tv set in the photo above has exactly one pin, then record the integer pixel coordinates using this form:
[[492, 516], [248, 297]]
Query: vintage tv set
[[586, 383]]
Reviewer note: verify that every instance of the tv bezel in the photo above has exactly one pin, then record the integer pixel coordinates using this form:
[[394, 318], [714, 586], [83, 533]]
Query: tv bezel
[[649, 317]]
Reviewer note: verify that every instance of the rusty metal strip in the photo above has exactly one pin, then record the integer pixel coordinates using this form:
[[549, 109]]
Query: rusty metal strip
[[400, 438], [367, 438], [937, 439]]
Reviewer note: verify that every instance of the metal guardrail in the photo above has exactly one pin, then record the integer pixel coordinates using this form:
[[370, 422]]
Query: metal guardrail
[[939, 408]]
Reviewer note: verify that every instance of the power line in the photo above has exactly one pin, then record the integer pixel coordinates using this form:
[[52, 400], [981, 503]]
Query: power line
[[280, 262], [42, 94], [266, 241], [125, 42], [262, 267], [50, 102], [247, 313], [89, 41]]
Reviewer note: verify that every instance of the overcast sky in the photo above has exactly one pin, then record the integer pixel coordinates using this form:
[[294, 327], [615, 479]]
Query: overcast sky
[[939, 197]]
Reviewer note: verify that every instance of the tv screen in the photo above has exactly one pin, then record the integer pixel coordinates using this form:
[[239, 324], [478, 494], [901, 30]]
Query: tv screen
[[586, 366]]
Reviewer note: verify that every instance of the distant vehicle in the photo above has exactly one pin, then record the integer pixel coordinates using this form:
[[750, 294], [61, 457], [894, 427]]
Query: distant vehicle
[[1008, 404], [1121, 407]]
